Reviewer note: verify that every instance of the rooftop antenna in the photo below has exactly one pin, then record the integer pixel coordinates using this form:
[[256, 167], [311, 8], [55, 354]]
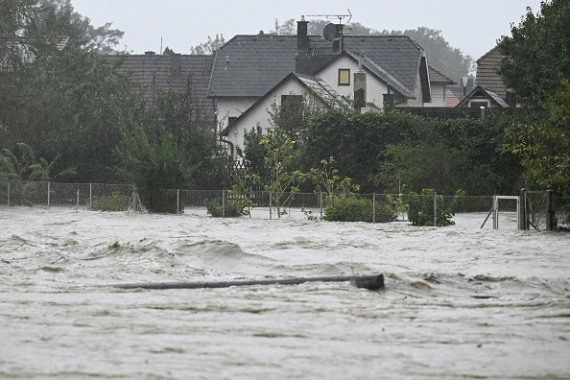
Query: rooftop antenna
[[339, 17]]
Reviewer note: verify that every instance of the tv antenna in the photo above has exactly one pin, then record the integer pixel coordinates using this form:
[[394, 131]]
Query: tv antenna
[[339, 17]]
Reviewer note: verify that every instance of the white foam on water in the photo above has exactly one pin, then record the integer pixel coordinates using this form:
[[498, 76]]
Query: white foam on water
[[460, 302]]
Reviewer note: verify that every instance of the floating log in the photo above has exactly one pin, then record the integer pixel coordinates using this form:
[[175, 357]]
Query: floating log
[[371, 282]]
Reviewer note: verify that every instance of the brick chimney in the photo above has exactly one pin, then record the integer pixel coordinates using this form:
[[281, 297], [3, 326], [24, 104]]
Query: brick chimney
[[338, 43], [175, 64], [302, 36]]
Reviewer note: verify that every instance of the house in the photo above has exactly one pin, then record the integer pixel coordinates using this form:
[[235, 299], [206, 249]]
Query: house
[[440, 93], [370, 72], [155, 73], [482, 97], [489, 90], [241, 81]]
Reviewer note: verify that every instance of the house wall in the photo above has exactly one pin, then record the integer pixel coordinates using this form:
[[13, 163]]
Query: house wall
[[374, 88], [259, 114], [437, 95], [417, 102], [231, 107]]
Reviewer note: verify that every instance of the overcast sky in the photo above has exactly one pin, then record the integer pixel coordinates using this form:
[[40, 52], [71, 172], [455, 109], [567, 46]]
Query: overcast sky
[[472, 26]]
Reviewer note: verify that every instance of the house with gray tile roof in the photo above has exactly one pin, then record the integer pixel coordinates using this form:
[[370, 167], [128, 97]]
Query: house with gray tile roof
[[392, 71], [158, 73]]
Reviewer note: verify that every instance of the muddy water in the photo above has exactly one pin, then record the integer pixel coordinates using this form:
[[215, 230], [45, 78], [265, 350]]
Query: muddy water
[[458, 303]]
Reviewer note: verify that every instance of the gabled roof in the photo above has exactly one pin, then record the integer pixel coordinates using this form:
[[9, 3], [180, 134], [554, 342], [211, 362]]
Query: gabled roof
[[170, 72], [487, 75], [249, 66], [436, 76], [450, 99], [479, 91], [314, 86]]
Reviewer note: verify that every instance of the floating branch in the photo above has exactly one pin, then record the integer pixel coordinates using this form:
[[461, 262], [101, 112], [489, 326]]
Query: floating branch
[[371, 282]]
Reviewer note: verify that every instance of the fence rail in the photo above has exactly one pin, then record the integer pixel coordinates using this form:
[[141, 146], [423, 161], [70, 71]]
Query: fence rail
[[430, 210]]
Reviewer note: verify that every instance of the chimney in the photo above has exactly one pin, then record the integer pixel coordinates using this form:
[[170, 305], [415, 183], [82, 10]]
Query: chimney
[[175, 67], [338, 40], [359, 87], [302, 35]]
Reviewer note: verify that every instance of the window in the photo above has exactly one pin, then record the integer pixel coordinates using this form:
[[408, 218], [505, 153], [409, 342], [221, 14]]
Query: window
[[344, 77], [231, 119], [478, 104]]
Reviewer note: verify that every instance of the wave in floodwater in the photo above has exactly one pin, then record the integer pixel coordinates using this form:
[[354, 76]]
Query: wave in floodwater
[[457, 303]]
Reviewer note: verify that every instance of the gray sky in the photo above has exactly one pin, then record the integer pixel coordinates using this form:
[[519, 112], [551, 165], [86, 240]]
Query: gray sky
[[472, 26]]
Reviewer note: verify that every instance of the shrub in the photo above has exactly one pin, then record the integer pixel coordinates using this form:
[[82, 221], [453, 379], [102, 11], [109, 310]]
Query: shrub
[[421, 208], [114, 202], [232, 210], [352, 209]]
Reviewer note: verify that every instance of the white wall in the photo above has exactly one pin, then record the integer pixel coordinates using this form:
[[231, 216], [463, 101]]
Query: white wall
[[259, 114], [232, 108], [437, 95], [374, 88]]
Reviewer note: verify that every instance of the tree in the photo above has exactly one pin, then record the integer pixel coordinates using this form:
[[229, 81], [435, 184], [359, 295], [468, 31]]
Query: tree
[[63, 102], [78, 28], [285, 179], [537, 54], [168, 147], [543, 144], [208, 48]]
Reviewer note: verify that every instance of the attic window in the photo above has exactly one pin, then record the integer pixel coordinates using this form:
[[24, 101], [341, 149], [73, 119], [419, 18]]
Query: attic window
[[344, 77]]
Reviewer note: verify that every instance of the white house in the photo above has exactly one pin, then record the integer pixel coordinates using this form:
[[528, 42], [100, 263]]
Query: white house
[[251, 73]]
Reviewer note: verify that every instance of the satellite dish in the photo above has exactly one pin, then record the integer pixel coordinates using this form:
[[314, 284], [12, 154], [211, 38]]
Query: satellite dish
[[329, 33]]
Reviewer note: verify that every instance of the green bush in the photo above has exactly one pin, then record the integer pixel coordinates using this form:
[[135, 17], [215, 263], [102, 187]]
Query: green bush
[[352, 209], [232, 210], [421, 208], [114, 202]]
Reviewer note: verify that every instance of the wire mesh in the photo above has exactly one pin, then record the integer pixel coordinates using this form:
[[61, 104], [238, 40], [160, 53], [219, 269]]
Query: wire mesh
[[428, 210]]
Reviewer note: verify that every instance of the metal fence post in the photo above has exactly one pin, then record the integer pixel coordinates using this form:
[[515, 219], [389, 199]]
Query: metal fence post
[[77, 202], [134, 196], [321, 203], [223, 203], [434, 209], [178, 201], [550, 212], [373, 207], [8, 193], [48, 193], [523, 225], [270, 206], [90, 196]]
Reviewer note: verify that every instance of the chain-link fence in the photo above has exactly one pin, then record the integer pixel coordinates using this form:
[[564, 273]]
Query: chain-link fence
[[486, 212], [93, 196]]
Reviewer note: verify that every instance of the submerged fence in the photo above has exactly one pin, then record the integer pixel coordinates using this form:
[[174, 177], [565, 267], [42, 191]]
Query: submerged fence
[[530, 210]]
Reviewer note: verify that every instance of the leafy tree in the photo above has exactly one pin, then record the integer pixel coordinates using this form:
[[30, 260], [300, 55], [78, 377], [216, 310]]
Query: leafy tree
[[285, 180], [537, 54], [420, 164], [168, 51], [22, 163], [543, 144], [168, 148], [254, 152], [208, 48], [78, 28], [328, 180]]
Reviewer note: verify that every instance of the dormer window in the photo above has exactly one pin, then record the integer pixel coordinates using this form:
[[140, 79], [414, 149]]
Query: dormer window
[[344, 77]]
